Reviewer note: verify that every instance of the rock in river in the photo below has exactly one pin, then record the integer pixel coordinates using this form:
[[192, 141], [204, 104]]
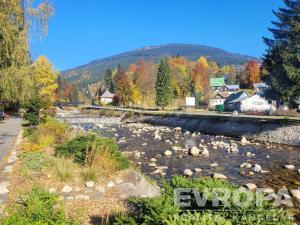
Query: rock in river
[[289, 167], [296, 194], [251, 186], [188, 172], [194, 151], [256, 168], [167, 153], [219, 176]]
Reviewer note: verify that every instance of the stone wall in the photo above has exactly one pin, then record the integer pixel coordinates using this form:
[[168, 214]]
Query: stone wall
[[276, 131]]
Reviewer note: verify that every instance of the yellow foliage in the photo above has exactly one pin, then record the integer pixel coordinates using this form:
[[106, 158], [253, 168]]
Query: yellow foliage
[[136, 94], [45, 78], [202, 60]]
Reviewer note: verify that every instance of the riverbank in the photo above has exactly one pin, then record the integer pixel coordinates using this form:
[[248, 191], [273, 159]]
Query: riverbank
[[274, 129]]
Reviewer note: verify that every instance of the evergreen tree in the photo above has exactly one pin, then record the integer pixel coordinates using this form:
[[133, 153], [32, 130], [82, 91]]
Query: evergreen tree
[[109, 84], [281, 66], [163, 84]]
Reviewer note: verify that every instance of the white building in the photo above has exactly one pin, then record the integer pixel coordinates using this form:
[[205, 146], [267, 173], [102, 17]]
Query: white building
[[218, 99], [107, 97], [255, 104]]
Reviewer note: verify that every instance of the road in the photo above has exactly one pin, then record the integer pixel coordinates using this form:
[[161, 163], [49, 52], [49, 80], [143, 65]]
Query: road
[[9, 129]]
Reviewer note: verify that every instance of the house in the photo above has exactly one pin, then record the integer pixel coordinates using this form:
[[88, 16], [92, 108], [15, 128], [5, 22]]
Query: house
[[231, 103], [260, 87], [107, 97], [218, 99], [231, 88], [257, 103]]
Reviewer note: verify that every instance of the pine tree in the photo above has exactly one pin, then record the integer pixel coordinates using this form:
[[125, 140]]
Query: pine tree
[[108, 79], [281, 66], [163, 84]]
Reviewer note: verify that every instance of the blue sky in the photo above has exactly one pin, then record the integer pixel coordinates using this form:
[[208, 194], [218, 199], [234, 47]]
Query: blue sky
[[81, 31]]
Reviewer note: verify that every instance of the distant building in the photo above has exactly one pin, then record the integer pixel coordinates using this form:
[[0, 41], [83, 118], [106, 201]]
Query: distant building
[[231, 88], [256, 103], [218, 99], [260, 87], [107, 97], [232, 102]]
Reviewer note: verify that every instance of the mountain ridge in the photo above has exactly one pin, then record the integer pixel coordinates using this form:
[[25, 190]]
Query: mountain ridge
[[95, 69]]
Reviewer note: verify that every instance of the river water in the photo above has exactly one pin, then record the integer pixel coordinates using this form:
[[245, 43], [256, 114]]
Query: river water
[[137, 140]]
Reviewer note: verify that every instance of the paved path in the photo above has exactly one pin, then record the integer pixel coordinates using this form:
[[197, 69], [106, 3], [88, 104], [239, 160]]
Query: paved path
[[9, 129]]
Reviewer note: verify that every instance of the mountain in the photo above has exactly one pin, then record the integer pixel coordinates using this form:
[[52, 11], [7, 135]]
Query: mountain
[[94, 71]]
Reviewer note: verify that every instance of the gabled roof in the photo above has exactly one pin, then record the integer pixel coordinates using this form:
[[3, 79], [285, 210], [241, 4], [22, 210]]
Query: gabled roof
[[236, 97], [107, 94], [233, 87], [260, 85]]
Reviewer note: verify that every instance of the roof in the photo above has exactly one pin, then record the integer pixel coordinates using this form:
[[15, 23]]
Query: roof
[[217, 82], [223, 95], [107, 94], [260, 85], [233, 87], [236, 97]]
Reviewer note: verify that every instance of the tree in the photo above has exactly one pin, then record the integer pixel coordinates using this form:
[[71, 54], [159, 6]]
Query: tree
[[123, 86], [45, 79], [281, 63], [19, 19], [232, 75], [250, 74], [163, 84], [109, 83], [199, 75]]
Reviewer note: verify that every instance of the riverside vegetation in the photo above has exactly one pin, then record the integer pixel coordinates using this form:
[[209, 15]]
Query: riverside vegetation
[[53, 154]]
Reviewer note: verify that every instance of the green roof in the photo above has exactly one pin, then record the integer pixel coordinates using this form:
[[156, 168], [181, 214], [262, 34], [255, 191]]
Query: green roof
[[217, 82]]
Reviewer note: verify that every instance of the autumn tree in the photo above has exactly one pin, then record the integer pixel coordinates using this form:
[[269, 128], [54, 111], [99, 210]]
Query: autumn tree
[[163, 84], [250, 74], [45, 79], [281, 63], [123, 86], [17, 19]]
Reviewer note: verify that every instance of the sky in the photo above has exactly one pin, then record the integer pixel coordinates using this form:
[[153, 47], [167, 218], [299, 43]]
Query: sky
[[82, 31]]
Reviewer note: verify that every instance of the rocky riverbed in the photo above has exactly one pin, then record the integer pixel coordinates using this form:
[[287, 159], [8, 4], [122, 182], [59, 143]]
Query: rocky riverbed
[[161, 151]]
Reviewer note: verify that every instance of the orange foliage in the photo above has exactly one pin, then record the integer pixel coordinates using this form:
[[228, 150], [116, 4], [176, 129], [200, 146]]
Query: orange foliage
[[251, 74]]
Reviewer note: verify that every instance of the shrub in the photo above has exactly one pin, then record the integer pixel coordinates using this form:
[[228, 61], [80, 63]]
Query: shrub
[[33, 107], [162, 210], [37, 207], [92, 150], [76, 148], [33, 161]]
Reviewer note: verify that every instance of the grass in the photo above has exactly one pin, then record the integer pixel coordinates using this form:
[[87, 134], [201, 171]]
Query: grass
[[89, 174], [63, 168], [37, 207]]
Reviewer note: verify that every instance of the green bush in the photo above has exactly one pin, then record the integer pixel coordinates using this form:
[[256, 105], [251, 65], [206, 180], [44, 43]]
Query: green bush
[[162, 210], [37, 207], [86, 149], [77, 148], [32, 161], [33, 107], [32, 117]]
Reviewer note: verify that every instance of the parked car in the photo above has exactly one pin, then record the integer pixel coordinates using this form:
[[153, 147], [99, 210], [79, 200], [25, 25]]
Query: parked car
[[2, 115]]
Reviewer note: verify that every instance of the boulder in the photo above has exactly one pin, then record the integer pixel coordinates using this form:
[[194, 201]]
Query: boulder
[[246, 165], [177, 129], [194, 151], [89, 184], [256, 168], [152, 165], [110, 184], [205, 152], [296, 194], [214, 164], [289, 167], [167, 153], [188, 172], [251, 186], [52, 190], [67, 189], [198, 170], [219, 176], [244, 141]]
